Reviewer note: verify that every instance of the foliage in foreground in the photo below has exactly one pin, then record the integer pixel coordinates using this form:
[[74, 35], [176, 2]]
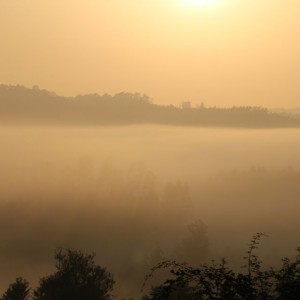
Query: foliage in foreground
[[19, 290], [77, 277], [218, 281]]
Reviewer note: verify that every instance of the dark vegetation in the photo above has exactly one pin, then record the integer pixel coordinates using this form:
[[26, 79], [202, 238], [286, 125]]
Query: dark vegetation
[[131, 217], [20, 105], [18, 290], [77, 277], [133, 225], [219, 281]]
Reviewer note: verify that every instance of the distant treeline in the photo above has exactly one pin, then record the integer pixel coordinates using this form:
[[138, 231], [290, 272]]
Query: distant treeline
[[295, 112], [20, 105]]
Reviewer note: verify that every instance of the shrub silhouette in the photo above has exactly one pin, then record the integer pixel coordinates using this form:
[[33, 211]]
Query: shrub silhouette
[[76, 277], [19, 290], [218, 281], [288, 279]]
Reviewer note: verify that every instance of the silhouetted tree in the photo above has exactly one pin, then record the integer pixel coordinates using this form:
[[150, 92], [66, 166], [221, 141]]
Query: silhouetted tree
[[194, 248], [77, 277], [19, 290]]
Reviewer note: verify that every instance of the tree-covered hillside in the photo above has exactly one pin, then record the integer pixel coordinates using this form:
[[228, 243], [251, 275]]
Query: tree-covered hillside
[[20, 105]]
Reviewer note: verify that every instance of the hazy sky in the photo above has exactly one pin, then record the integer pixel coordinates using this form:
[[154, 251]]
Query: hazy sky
[[221, 52]]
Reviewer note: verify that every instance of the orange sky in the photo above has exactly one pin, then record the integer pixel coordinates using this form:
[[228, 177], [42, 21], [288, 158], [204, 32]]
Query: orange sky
[[236, 52]]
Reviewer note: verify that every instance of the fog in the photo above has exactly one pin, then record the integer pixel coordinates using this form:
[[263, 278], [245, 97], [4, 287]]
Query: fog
[[139, 194], [234, 53]]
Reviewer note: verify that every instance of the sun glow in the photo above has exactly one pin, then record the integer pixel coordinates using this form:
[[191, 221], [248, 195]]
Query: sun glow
[[199, 2]]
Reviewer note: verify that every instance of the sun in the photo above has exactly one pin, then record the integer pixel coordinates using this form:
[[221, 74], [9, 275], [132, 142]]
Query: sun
[[199, 2]]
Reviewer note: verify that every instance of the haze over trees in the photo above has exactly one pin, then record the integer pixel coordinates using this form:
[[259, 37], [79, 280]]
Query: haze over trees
[[154, 192], [128, 218], [84, 186], [78, 277], [20, 105], [139, 195], [168, 134]]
